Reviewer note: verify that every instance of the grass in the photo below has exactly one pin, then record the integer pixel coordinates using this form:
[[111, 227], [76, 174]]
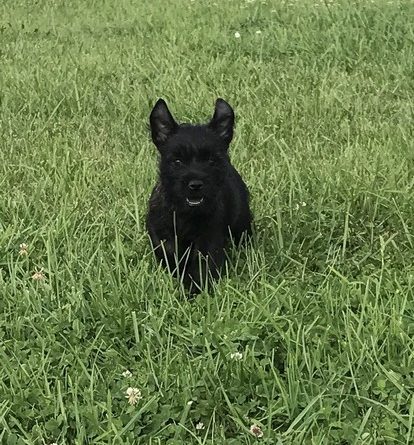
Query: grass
[[321, 307]]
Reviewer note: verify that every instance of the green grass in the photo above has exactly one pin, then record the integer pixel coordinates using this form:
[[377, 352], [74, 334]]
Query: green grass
[[321, 307]]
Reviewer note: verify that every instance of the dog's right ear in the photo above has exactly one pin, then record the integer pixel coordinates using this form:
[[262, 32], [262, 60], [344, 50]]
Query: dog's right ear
[[162, 123], [223, 120]]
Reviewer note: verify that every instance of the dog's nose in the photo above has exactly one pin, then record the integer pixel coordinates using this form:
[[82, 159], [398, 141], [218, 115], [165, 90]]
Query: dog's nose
[[195, 184]]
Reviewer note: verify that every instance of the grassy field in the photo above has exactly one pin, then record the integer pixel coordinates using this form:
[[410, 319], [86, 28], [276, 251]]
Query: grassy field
[[310, 336]]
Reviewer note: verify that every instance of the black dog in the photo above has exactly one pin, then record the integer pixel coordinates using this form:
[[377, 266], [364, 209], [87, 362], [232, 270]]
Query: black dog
[[200, 200]]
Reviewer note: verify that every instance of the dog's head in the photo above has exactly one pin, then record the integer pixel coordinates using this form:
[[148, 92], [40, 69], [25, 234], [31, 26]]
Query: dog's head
[[194, 158]]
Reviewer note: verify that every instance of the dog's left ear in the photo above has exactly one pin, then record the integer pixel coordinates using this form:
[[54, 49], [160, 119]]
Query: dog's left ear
[[162, 123], [223, 120]]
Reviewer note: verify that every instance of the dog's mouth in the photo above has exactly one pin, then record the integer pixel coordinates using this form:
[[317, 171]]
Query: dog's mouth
[[194, 202]]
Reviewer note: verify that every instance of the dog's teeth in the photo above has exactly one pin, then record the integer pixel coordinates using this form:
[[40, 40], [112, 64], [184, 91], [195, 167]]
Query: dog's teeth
[[194, 202]]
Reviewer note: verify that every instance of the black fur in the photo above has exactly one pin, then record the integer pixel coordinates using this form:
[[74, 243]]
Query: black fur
[[200, 199]]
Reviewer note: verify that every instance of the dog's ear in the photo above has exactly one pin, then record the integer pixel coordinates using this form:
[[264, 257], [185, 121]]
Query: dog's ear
[[162, 123], [223, 120]]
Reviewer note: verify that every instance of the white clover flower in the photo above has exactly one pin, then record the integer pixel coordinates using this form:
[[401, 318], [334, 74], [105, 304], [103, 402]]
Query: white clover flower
[[237, 35], [38, 275], [133, 395], [199, 426], [256, 431], [23, 249], [127, 374], [258, 32], [236, 356]]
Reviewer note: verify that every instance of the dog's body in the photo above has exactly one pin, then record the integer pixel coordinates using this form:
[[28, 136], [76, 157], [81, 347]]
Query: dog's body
[[200, 200]]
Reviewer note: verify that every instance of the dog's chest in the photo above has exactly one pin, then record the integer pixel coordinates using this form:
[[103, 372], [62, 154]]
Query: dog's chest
[[189, 231]]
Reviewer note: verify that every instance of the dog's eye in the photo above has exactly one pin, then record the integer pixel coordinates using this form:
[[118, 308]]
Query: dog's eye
[[177, 162]]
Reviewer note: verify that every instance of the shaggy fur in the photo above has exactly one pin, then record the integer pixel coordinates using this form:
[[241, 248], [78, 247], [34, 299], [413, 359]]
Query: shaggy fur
[[200, 200]]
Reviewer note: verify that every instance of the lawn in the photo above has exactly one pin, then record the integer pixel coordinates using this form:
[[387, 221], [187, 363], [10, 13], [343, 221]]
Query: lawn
[[309, 335]]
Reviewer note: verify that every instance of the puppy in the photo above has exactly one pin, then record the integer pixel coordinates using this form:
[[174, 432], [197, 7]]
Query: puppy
[[200, 201]]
